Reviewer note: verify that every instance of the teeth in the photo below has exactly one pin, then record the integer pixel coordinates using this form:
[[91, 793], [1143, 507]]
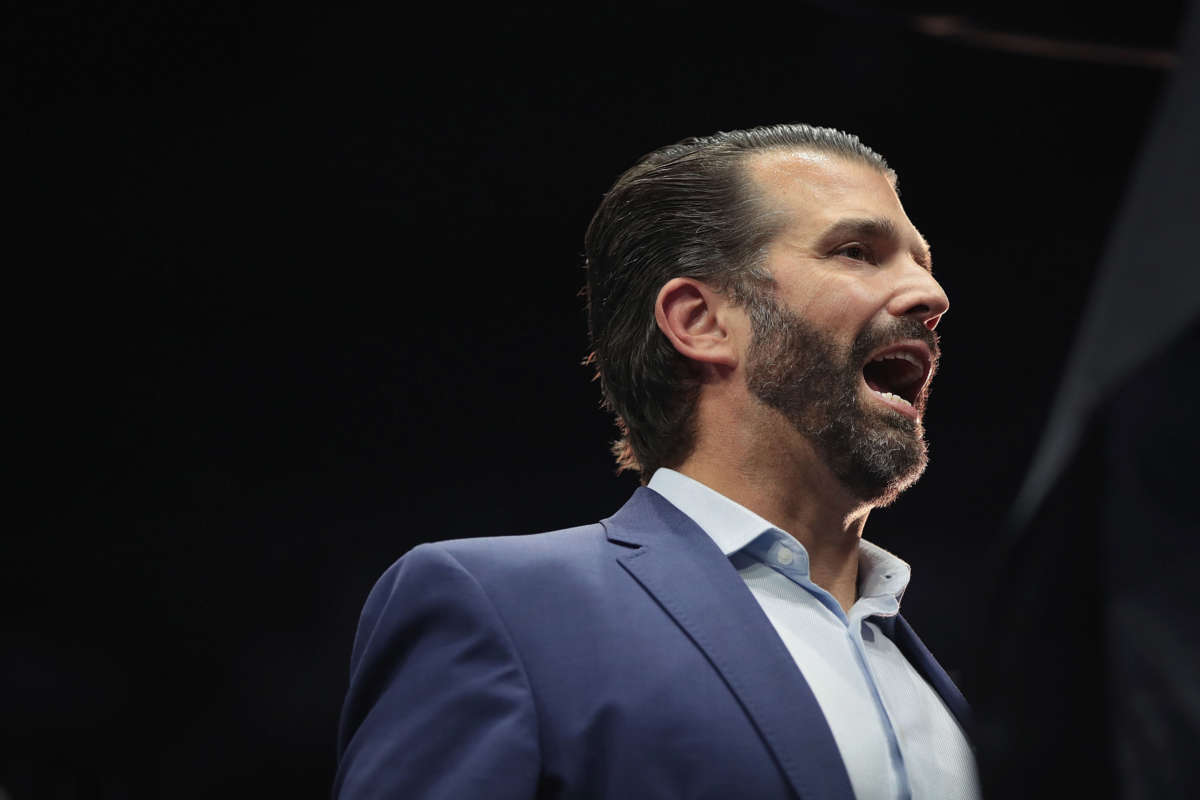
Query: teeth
[[891, 396], [903, 356]]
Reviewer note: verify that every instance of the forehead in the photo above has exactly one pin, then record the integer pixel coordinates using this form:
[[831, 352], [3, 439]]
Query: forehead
[[823, 187]]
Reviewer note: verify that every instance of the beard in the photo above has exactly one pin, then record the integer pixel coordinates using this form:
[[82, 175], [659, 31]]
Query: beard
[[799, 371]]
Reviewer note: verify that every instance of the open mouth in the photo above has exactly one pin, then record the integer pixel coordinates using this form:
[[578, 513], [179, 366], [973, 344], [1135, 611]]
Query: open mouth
[[898, 373]]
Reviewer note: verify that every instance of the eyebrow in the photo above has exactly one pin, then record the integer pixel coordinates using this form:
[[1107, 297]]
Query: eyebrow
[[874, 229]]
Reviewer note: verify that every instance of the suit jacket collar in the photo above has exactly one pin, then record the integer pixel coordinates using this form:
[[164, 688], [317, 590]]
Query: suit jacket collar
[[900, 632], [684, 570]]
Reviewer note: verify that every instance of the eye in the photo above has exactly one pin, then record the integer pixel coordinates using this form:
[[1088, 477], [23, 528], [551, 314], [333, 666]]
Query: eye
[[856, 251]]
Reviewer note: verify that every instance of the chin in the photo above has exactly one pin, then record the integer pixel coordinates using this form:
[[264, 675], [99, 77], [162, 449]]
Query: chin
[[879, 461]]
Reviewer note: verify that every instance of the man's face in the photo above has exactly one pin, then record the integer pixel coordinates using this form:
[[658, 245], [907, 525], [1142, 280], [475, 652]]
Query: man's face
[[845, 348]]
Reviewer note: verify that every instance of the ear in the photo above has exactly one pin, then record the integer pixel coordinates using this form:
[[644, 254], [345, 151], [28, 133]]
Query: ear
[[696, 320]]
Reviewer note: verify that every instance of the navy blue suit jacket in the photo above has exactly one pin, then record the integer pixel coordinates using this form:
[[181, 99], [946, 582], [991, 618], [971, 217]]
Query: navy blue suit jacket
[[625, 659]]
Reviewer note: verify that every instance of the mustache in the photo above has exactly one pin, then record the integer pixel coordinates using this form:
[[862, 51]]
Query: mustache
[[896, 330]]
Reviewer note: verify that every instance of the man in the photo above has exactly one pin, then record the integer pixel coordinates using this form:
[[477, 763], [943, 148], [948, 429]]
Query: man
[[762, 313]]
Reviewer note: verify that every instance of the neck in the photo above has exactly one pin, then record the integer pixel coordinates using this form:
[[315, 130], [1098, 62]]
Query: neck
[[786, 484]]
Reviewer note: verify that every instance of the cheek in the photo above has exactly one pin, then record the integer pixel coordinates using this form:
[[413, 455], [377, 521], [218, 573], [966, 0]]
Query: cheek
[[837, 302]]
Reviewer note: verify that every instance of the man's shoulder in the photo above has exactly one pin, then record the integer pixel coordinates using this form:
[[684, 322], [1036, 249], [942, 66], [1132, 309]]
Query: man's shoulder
[[531, 556], [568, 561], [562, 543]]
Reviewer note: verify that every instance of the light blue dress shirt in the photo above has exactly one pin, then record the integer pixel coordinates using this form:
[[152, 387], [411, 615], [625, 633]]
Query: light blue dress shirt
[[895, 735]]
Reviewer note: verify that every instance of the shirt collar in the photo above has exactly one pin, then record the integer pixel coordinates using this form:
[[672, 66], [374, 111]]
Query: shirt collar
[[732, 527], [880, 573]]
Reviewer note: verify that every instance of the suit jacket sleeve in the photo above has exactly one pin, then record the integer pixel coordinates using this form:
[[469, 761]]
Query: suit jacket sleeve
[[439, 705]]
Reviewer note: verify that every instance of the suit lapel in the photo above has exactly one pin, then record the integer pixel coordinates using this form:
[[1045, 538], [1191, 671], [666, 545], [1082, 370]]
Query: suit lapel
[[682, 568], [919, 656]]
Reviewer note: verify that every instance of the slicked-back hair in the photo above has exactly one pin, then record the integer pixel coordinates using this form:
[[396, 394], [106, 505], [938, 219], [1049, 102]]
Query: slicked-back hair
[[691, 210]]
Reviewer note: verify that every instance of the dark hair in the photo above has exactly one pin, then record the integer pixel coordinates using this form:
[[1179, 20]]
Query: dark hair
[[686, 210]]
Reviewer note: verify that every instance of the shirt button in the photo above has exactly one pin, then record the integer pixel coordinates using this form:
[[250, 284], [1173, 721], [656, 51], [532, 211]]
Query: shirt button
[[784, 556]]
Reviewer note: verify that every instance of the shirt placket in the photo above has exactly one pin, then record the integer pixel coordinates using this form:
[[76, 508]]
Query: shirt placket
[[778, 551]]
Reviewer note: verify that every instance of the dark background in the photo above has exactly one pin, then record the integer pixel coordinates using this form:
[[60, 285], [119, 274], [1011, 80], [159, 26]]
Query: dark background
[[290, 291]]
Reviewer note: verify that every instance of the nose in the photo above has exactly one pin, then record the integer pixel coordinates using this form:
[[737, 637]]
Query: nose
[[919, 296]]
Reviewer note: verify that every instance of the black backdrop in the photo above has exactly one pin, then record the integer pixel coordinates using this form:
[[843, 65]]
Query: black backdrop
[[291, 291]]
